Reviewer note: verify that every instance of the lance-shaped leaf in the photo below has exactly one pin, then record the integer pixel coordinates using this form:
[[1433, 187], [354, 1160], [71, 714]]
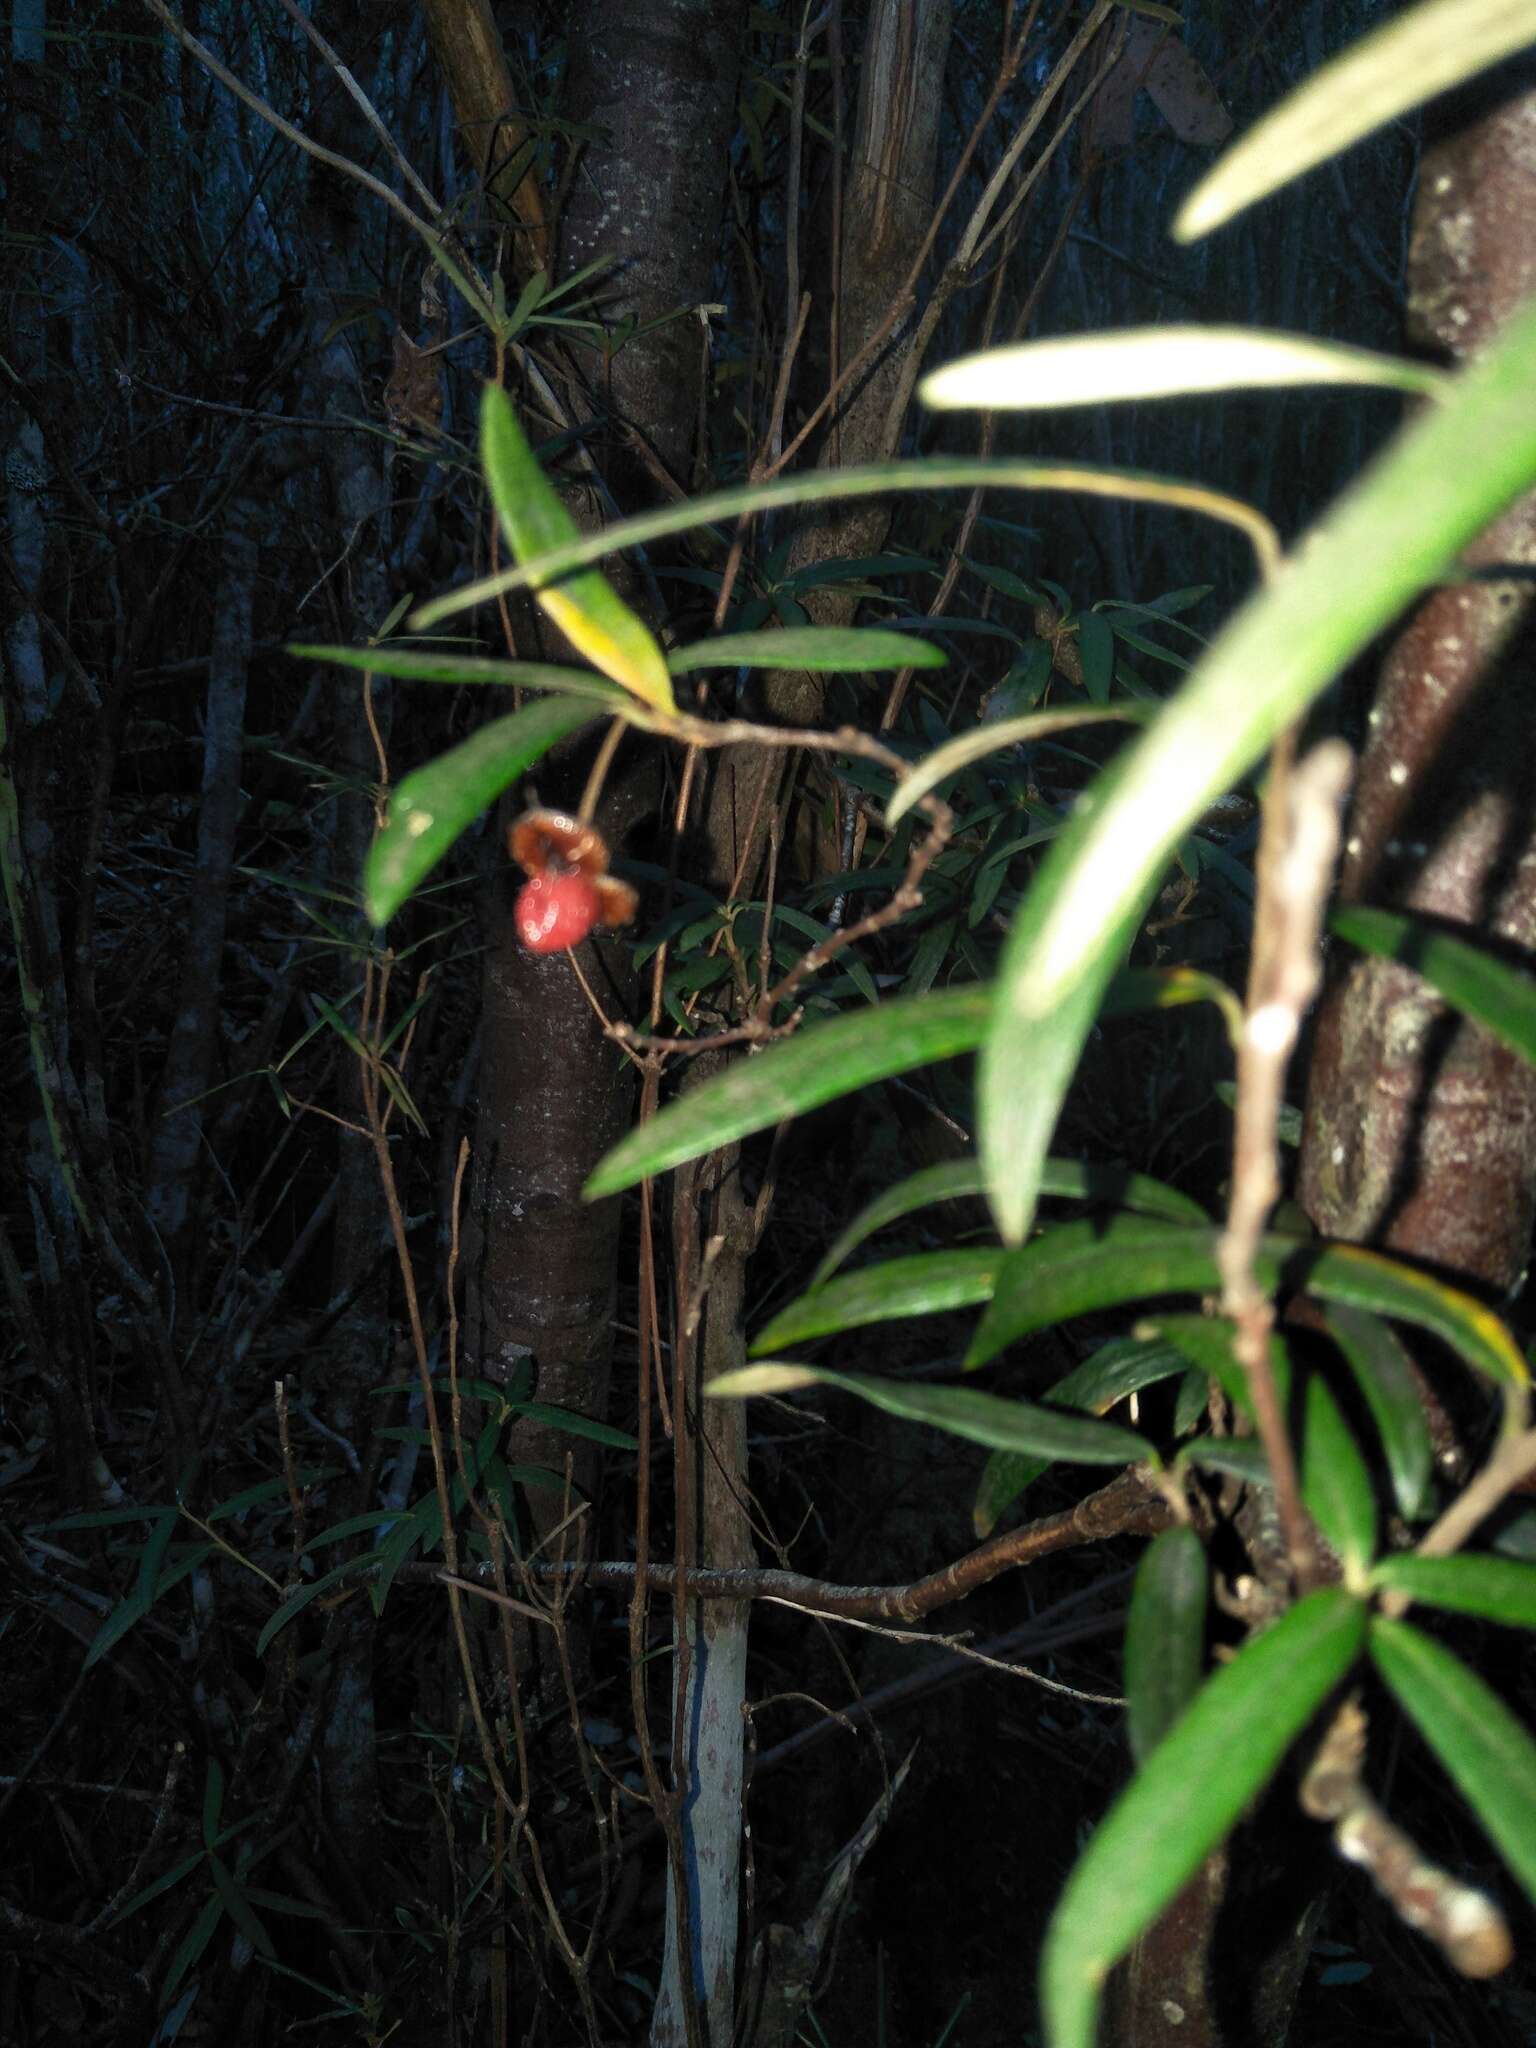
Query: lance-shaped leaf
[[1482, 987], [1381, 76], [1077, 1180], [1497, 1588], [825, 1061], [972, 746], [1164, 1637], [959, 1411], [1123, 1366], [433, 805], [434, 665], [1186, 1798], [851, 649], [1161, 362], [1382, 1371], [586, 607], [1490, 1757], [1335, 1481], [1439, 483], [927, 1284]]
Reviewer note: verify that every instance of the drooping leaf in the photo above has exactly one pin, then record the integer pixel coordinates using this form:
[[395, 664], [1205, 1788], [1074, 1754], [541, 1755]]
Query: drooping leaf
[[1490, 1757], [1445, 476], [1164, 1637], [1359, 1278], [1376, 1357], [959, 1411], [1096, 644], [1377, 78], [1481, 986], [992, 738], [1161, 362], [852, 650], [1497, 1588], [1335, 1480], [431, 665], [586, 607], [1117, 1369], [955, 1179], [434, 804], [1186, 1798]]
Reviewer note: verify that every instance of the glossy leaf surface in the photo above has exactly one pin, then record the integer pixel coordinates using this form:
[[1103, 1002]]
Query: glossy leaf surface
[[434, 665], [1489, 1755], [434, 804], [960, 1411], [1164, 1637], [1444, 477], [1186, 1798], [586, 607], [1497, 1588], [852, 650], [1376, 1357]]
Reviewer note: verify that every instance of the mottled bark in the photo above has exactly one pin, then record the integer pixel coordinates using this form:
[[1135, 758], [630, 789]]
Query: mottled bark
[[1421, 1128], [554, 1094]]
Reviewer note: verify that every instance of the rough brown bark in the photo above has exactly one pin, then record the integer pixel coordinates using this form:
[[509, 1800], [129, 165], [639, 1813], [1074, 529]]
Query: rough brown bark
[[1421, 1129]]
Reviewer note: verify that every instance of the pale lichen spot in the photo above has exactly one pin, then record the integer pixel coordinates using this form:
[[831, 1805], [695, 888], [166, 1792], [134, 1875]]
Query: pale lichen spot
[[1337, 1155], [1397, 774], [417, 822]]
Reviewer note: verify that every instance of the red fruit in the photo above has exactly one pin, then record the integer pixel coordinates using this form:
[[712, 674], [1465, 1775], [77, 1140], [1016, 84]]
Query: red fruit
[[556, 910]]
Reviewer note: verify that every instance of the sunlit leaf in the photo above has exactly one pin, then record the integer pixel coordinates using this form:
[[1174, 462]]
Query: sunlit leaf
[[1335, 1481], [586, 607], [1445, 476], [959, 1411], [431, 665], [1385, 1377], [1186, 1798], [993, 738], [1121, 1367], [1164, 1637], [1071, 1179], [1160, 362], [1497, 1588], [1489, 1755], [852, 649], [434, 804], [1484, 988], [1382, 75]]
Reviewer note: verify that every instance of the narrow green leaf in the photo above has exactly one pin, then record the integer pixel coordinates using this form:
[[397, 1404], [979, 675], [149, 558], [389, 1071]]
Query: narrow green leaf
[[131, 1610], [1096, 642], [1497, 1588], [238, 1907], [956, 1179], [993, 738], [430, 665], [824, 1061], [816, 649], [1335, 1482], [1376, 1357], [1186, 1798], [1235, 1457], [192, 1944], [1490, 1757], [1164, 1637], [1377, 78], [959, 1411], [1123, 1366], [1160, 362], [573, 1424], [818, 1064], [298, 1601], [1077, 1268], [434, 804], [817, 487], [586, 607], [928, 1283], [1488, 990], [1439, 483], [1358, 1278]]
